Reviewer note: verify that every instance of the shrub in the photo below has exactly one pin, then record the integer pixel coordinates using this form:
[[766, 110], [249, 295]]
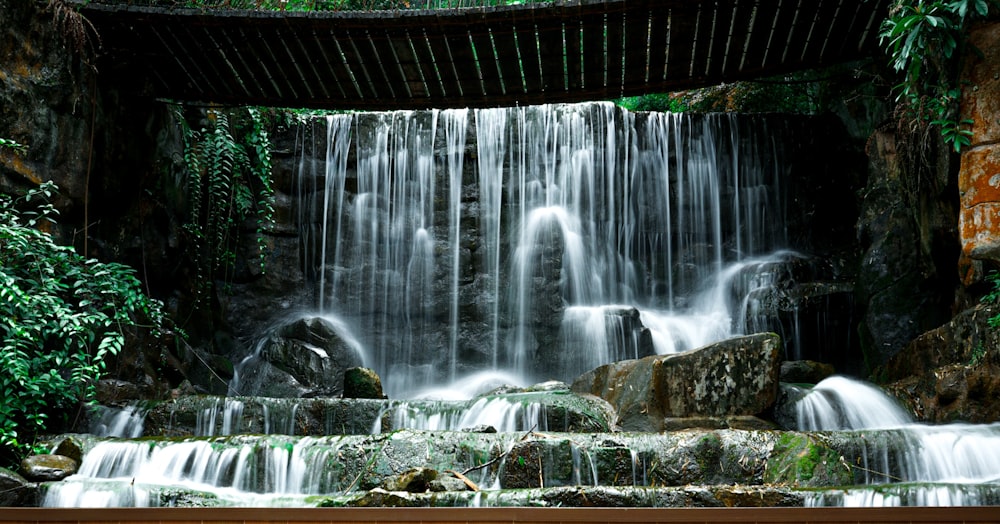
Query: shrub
[[60, 316]]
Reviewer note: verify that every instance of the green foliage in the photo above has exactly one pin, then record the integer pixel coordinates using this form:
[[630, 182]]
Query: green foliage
[[926, 40], [808, 92], [60, 316], [6, 143], [228, 182], [978, 354], [993, 297]]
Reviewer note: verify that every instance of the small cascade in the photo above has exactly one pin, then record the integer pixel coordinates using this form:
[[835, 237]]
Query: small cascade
[[911, 463], [223, 416], [504, 414], [840, 403], [107, 421]]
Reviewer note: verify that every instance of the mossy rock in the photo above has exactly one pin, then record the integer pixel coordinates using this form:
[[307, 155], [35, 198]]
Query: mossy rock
[[362, 383], [804, 460]]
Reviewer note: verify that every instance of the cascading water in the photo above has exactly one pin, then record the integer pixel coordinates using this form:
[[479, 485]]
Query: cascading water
[[460, 252], [449, 269], [915, 464]]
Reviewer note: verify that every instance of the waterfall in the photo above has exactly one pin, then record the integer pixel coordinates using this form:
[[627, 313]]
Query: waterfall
[[950, 464], [117, 422], [449, 269]]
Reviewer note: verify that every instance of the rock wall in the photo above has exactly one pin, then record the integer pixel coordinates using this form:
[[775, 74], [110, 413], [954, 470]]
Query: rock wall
[[979, 179], [906, 278]]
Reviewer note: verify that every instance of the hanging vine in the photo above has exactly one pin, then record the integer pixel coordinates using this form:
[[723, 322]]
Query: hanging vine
[[227, 184]]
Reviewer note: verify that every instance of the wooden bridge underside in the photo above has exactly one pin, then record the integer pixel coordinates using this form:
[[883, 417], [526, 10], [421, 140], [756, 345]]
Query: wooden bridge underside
[[562, 51]]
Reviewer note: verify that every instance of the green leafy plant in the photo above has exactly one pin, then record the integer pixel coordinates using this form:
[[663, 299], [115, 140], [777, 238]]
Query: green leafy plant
[[228, 182], [993, 296], [60, 315], [6, 143], [926, 40]]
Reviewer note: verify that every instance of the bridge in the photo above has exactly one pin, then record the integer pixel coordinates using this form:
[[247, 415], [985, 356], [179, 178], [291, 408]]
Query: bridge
[[560, 51]]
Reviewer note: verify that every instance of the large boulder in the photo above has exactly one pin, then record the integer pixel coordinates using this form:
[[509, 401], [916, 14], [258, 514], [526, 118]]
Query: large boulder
[[41, 468], [950, 373], [15, 490], [305, 357], [362, 383], [733, 377]]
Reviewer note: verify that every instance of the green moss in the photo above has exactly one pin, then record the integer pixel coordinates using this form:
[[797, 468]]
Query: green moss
[[801, 459], [708, 453]]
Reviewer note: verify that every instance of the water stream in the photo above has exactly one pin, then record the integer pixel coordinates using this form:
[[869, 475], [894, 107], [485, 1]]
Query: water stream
[[449, 269], [458, 252]]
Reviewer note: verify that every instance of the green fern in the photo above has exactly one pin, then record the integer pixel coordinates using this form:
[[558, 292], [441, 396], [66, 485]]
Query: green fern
[[228, 182]]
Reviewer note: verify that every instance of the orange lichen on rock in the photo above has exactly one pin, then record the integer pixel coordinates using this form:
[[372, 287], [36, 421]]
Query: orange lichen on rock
[[979, 177]]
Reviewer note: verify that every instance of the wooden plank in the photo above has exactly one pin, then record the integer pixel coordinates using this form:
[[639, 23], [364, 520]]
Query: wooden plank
[[778, 33], [757, 36], [682, 32], [354, 64], [659, 27], [819, 17], [505, 42], [429, 62], [836, 33], [385, 55], [637, 46], [487, 59], [573, 36], [616, 52], [561, 51], [531, 64], [552, 51], [594, 72], [276, 71], [465, 64], [318, 46], [738, 33], [701, 42], [409, 63]]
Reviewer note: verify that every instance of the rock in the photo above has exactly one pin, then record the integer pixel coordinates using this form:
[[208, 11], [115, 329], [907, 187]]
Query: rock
[[43, 468], [734, 377], [907, 219], [536, 464], [380, 498], [305, 357], [801, 299], [950, 373], [804, 371], [480, 428], [15, 490], [979, 189], [362, 383], [414, 480], [447, 483], [70, 447], [800, 459], [737, 422], [116, 392], [965, 339]]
